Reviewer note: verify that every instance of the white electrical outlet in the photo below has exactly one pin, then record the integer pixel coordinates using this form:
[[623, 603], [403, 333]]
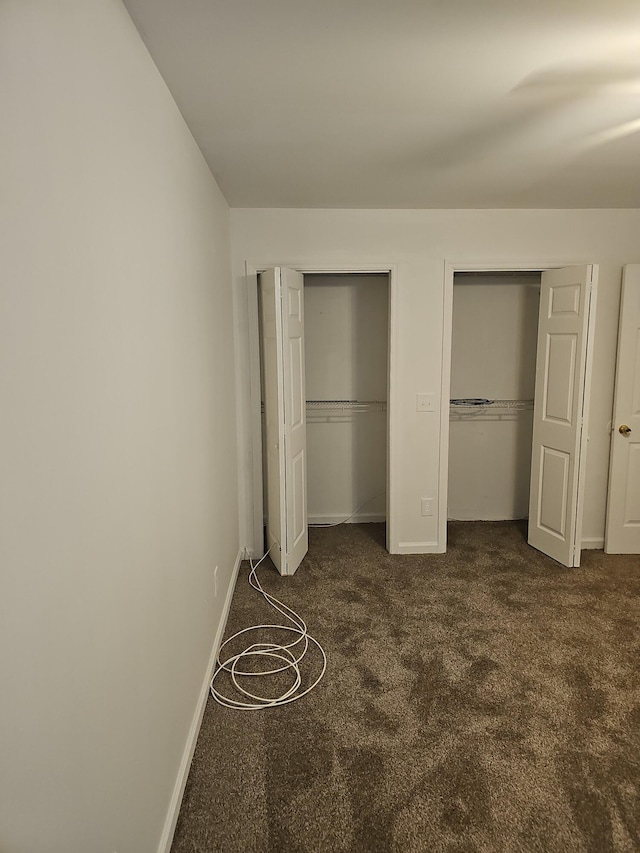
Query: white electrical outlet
[[426, 506], [215, 582], [425, 402]]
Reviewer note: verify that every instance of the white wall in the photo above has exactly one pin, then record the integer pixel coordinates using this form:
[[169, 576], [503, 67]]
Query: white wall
[[118, 450], [346, 336], [493, 355], [418, 244], [346, 348]]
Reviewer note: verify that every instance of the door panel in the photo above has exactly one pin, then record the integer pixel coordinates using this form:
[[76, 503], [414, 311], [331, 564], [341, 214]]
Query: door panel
[[623, 507], [295, 418], [561, 403], [560, 378], [554, 479], [632, 493], [282, 314], [271, 341]]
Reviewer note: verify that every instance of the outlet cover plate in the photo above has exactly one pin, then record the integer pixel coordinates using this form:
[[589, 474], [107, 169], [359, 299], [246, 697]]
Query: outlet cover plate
[[425, 402], [426, 506]]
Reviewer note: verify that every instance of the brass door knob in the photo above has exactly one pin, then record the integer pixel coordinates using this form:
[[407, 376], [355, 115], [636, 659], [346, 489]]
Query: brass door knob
[[624, 430]]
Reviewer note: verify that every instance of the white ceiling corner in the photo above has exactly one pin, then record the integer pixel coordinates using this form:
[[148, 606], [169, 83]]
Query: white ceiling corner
[[407, 103]]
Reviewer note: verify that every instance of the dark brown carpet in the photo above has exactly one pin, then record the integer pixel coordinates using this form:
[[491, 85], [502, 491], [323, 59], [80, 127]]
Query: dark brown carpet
[[483, 700]]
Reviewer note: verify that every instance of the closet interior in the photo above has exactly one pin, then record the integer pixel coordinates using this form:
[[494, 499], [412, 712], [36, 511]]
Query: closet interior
[[346, 321], [493, 359]]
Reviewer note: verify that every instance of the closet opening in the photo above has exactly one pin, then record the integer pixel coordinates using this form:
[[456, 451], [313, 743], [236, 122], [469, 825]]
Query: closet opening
[[347, 378], [493, 367], [324, 342]]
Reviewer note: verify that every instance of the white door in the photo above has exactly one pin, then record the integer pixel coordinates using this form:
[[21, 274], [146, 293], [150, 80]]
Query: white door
[[623, 507], [563, 370], [282, 314]]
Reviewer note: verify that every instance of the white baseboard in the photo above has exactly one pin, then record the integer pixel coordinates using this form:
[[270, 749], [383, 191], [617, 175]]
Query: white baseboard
[[591, 543], [358, 518], [418, 548], [166, 839]]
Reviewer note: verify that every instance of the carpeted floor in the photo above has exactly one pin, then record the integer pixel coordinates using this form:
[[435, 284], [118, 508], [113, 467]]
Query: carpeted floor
[[486, 699]]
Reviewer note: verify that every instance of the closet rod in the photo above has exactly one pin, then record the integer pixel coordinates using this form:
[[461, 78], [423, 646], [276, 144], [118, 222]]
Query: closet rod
[[475, 403], [344, 406], [347, 405], [341, 411]]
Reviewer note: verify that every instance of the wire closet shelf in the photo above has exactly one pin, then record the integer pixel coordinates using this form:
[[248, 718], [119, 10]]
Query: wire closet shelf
[[336, 410], [481, 407]]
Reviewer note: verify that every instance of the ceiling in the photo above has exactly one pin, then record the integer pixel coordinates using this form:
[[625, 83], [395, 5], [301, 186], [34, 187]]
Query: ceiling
[[407, 103]]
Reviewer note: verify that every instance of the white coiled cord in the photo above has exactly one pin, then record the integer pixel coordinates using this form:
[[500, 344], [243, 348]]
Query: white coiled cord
[[287, 656]]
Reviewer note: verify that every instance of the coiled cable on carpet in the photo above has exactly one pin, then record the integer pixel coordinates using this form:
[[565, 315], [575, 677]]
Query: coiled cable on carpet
[[286, 655]]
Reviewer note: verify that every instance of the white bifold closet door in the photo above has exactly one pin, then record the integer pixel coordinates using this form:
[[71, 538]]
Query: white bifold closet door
[[282, 316], [563, 375]]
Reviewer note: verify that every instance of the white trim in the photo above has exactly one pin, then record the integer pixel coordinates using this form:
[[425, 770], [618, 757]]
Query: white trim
[[613, 527], [592, 295], [450, 269], [252, 271], [392, 408], [592, 543], [257, 526], [418, 548], [358, 518], [166, 839], [445, 394]]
